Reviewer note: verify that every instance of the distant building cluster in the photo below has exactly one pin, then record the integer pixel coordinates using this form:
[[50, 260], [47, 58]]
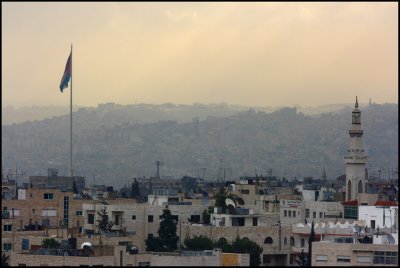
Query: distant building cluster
[[352, 220]]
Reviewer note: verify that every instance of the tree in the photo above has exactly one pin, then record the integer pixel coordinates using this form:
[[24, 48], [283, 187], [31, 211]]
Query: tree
[[104, 224], [207, 215], [220, 198], [74, 188], [248, 246], [199, 243], [167, 230], [302, 259], [167, 239], [224, 245], [5, 260], [154, 244], [50, 243], [135, 190], [310, 240]]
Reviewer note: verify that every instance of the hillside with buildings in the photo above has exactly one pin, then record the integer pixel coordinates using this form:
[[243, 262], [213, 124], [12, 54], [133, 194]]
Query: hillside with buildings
[[255, 220], [112, 146]]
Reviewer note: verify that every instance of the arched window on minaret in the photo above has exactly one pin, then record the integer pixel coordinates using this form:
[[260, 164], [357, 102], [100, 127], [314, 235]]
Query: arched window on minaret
[[360, 188], [349, 190]]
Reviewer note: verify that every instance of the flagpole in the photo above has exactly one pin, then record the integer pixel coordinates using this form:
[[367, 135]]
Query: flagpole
[[71, 173]]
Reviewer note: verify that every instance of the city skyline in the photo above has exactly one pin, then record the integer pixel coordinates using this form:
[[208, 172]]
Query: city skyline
[[251, 54]]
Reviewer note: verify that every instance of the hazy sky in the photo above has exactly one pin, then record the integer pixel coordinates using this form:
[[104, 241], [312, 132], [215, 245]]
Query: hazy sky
[[256, 54]]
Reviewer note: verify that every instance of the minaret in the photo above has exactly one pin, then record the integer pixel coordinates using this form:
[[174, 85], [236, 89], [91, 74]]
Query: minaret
[[355, 160]]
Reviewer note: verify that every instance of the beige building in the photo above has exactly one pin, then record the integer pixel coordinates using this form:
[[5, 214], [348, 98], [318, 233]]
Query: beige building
[[121, 257], [353, 254]]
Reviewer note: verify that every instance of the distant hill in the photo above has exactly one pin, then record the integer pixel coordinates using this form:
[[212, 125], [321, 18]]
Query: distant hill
[[113, 144], [147, 113]]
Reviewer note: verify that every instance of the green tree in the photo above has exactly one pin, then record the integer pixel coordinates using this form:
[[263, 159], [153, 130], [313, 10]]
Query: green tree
[[248, 246], [310, 240], [220, 198], [167, 230], [135, 190], [154, 244], [104, 224], [167, 239], [50, 243], [5, 260], [199, 243], [224, 245], [302, 259], [207, 215]]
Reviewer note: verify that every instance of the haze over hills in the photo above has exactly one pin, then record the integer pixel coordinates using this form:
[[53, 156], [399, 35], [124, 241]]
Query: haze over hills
[[149, 113], [116, 142]]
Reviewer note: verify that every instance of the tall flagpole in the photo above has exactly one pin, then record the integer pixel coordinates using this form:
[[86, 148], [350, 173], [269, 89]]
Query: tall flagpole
[[71, 173]]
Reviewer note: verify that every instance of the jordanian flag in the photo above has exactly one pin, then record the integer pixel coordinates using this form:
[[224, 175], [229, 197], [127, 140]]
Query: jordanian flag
[[67, 73]]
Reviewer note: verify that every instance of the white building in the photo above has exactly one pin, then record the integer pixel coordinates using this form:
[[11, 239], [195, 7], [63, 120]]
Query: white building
[[378, 216], [355, 160]]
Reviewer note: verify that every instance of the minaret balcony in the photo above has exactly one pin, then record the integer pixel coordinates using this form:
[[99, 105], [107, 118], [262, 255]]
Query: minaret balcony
[[356, 133], [349, 159]]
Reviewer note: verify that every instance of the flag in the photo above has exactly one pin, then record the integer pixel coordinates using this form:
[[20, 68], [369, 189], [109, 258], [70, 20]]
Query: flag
[[67, 73]]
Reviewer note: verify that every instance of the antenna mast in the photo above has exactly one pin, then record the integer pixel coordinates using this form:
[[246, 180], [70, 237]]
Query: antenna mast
[[158, 164]]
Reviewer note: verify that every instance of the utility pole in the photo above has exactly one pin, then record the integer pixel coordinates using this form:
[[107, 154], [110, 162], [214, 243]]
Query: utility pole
[[158, 164], [204, 170]]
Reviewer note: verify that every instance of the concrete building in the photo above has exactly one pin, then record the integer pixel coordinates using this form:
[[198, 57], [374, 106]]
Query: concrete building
[[53, 180], [120, 256], [326, 253]]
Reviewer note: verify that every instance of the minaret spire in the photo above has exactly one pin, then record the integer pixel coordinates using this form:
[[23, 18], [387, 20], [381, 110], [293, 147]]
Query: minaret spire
[[355, 160]]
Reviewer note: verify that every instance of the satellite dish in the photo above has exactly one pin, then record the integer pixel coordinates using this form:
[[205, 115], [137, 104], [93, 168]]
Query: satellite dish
[[229, 201], [133, 250], [390, 239], [88, 244]]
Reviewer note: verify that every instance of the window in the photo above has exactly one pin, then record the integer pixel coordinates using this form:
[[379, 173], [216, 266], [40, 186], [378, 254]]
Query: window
[[237, 221], [290, 213], [133, 217], [25, 244], [391, 257], [314, 215], [244, 191], [350, 212], [7, 246], [149, 235], [373, 224], [321, 258], [90, 218], [385, 257], [79, 213], [292, 243], [150, 218], [302, 242], [307, 213], [195, 218], [66, 208], [49, 212], [285, 241], [294, 213], [284, 213], [48, 196], [343, 258], [364, 259], [266, 258], [7, 227], [255, 221], [268, 240], [379, 257], [320, 215]]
